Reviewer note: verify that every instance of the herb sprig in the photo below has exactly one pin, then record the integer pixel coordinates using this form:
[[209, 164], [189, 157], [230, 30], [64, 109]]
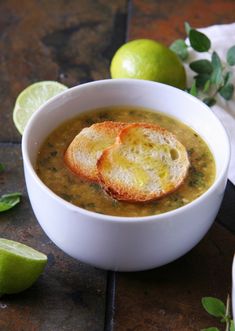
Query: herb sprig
[[217, 308], [1, 167], [8, 201], [213, 76]]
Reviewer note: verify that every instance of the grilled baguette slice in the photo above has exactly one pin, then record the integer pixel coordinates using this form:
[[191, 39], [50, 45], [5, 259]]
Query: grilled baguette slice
[[145, 163], [85, 149]]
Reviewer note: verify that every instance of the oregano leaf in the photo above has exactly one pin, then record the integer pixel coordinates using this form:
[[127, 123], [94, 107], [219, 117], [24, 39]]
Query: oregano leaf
[[228, 75], [226, 91], [232, 327], [180, 48], [217, 74], [231, 56], [193, 89], [201, 66], [201, 80], [213, 76], [187, 28], [199, 41], [207, 86], [1, 167], [214, 306], [8, 201], [209, 101]]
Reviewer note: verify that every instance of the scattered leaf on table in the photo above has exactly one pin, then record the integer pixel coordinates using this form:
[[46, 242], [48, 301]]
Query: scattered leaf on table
[[8, 201], [214, 306]]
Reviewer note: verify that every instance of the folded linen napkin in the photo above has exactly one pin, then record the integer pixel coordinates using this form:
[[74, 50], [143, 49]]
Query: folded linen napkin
[[222, 38]]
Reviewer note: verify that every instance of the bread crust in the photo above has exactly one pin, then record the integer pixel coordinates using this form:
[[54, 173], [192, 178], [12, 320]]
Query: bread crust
[[83, 152], [117, 181]]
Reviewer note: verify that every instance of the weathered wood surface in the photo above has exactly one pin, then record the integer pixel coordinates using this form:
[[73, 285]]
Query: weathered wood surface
[[163, 20], [68, 41], [69, 295], [73, 42], [169, 298]]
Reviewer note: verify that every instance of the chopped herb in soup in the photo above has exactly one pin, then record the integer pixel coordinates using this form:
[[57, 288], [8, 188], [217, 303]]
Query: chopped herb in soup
[[54, 173]]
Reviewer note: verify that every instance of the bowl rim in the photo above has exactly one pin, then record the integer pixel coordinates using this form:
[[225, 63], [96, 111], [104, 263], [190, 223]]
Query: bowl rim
[[112, 218]]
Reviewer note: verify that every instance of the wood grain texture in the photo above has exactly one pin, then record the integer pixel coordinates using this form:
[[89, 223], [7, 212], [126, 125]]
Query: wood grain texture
[[163, 20], [69, 295], [68, 41], [71, 42], [169, 298]]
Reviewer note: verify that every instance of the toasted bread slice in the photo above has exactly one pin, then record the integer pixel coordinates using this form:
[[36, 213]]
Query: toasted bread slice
[[145, 163], [85, 149]]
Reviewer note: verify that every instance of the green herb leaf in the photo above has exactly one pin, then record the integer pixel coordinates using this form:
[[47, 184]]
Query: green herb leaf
[[199, 41], [180, 48], [201, 80], [209, 101], [197, 178], [212, 75], [201, 66], [231, 56], [211, 329], [232, 327], [1, 167], [187, 27], [8, 201], [214, 306], [193, 89], [226, 91], [217, 74], [207, 86], [228, 75]]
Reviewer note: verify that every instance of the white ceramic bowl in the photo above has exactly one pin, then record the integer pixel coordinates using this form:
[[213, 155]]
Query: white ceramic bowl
[[125, 243]]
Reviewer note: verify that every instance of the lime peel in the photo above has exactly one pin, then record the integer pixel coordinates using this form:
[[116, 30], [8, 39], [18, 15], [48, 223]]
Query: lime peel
[[150, 60], [20, 266]]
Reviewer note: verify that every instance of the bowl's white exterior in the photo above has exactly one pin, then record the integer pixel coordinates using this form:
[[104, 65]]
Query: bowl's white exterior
[[121, 243]]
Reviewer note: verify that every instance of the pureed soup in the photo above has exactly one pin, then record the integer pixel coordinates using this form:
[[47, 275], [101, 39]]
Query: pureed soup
[[54, 173]]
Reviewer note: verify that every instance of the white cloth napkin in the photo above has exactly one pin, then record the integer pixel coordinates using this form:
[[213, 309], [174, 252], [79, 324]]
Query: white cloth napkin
[[222, 38]]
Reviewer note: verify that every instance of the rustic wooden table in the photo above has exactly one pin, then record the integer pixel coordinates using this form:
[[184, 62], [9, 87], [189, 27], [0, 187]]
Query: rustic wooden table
[[73, 42]]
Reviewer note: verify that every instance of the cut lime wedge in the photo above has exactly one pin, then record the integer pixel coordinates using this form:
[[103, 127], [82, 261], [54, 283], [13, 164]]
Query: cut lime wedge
[[20, 266], [31, 98]]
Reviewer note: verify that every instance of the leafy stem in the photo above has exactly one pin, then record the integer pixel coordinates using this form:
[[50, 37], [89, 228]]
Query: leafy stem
[[212, 76], [217, 308], [227, 314], [1, 167], [8, 201]]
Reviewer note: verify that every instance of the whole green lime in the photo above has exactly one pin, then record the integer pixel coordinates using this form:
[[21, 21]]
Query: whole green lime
[[150, 60]]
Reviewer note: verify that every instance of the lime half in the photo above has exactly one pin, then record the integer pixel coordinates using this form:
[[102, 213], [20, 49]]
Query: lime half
[[31, 98], [20, 266]]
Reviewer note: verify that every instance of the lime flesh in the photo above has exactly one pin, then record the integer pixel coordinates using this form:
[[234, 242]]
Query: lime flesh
[[20, 266], [32, 98], [150, 60]]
